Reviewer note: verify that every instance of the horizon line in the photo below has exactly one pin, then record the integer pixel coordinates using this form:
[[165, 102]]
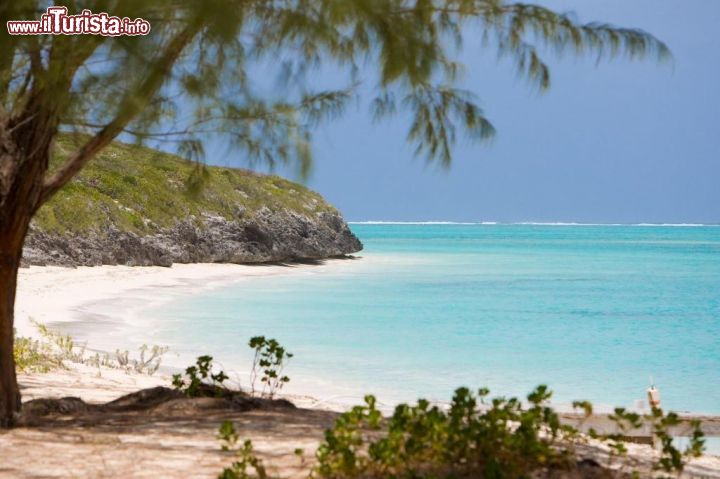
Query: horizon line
[[525, 223]]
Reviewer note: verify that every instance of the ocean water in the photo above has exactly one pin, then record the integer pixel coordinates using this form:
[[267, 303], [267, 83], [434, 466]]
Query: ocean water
[[592, 311]]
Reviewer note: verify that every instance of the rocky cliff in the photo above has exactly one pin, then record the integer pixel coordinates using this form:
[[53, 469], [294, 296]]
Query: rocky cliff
[[137, 206]]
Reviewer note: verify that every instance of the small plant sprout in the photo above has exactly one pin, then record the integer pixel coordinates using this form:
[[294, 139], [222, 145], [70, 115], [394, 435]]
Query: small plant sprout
[[54, 350], [151, 364], [247, 465], [269, 362]]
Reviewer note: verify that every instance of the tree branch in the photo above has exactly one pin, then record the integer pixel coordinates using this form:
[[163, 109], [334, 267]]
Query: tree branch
[[128, 110]]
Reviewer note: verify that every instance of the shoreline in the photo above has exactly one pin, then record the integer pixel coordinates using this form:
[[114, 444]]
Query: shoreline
[[57, 294], [111, 299], [108, 297], [53, 295]]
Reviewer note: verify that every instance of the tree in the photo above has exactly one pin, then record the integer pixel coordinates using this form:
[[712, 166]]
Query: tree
[[203, 54]]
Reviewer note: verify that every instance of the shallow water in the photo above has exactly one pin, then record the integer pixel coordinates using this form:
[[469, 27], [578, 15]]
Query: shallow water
[[592, 311]]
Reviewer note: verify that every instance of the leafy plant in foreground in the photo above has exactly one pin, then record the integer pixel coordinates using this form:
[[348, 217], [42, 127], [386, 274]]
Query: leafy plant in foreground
[[199, 379], [474, 437], [270, 360], [671, 458], [471, 439], [659, 424], [246, 461]]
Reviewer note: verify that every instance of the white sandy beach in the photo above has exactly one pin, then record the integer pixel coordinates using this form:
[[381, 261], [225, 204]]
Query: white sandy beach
[[106, 297], [52, 294], [55, 294]]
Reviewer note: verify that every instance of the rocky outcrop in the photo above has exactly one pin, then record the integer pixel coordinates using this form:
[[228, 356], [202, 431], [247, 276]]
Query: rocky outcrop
[[269, 236]]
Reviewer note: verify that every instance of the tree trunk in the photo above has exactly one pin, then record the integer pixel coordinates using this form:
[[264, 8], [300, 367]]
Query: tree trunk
[[11, 242], [21, 177]]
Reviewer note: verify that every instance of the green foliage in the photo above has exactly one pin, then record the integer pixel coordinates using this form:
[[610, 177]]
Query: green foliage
[[52, 350], [62, 345], [246, 461], [197, 181], [471, 439], [585, 406], [270, 360], [33, 356], [474, 437], [203, 52], [141, 190], [671, 458], [199, 379]]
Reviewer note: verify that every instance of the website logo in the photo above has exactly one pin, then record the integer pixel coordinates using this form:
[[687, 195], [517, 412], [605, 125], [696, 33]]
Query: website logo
[[56, 21]]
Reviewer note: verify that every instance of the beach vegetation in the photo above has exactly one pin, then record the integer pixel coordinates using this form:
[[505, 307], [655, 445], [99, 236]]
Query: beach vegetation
[[53, 350], [148, 362], [33, 356], [474, 437], [658, 424], [246, 464], [45, 353], [268, 364], [63, 346], [102, 197], [199, 379], [191, 81]]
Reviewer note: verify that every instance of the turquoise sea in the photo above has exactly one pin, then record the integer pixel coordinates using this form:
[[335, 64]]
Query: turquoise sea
[[594, 311]]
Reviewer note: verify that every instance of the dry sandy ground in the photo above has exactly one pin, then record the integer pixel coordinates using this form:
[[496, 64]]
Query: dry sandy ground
[[171, 443], [180, 440]]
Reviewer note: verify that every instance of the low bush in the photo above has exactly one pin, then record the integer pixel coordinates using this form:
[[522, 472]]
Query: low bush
[[671, 458], [499, 439], [143, 365], [200, 380], [475, 437]]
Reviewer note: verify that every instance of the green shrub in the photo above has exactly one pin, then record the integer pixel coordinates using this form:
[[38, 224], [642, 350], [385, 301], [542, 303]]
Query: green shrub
[[671, 458], [499, 439], [199, 379], [62, 345], [270, 360], [32, 356], [474, 438], [246, 461], [45, 354]]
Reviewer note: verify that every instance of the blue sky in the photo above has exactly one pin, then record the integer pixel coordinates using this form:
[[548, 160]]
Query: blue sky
[[619, 142]]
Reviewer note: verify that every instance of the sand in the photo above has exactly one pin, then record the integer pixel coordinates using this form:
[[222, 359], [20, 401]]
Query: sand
[[56, 294], [167, 446], [172, 444]]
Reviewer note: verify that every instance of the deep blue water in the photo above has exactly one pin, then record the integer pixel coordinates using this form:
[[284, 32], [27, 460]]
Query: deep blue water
[[592, 311]]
